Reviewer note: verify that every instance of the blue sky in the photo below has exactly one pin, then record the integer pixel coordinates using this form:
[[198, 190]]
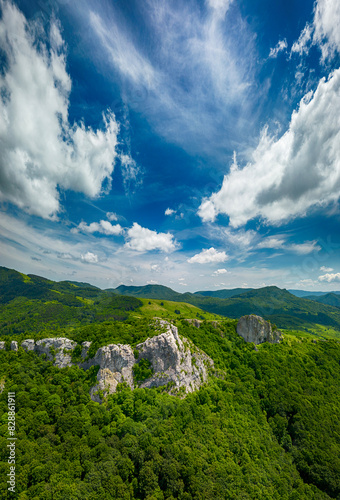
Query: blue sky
[[191, 144]]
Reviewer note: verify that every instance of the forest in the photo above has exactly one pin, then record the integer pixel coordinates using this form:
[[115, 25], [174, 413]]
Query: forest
[[265, 426]]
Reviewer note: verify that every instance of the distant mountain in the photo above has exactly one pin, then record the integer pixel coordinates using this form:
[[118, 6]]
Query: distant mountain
[[223, 294], [279, 306], [332, 299], [305, 293], [148, 292]]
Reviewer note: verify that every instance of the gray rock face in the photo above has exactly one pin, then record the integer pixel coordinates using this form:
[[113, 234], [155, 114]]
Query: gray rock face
[[2, 346], [116, 362], [58, 350], [28, 345], [255, 329], [14, 345], [173, 360]]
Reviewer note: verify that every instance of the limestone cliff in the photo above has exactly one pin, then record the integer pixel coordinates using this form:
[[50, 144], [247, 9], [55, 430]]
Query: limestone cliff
[[174, 362], [255, 329]]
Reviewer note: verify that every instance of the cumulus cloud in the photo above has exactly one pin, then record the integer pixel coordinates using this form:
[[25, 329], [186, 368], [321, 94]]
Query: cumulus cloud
[[327, 27], [326, 269], [290, 175], [90, 258], [103, 227], [330, 277], [279, 47], [207, 256], [169, 211], [111, 216], [218, 272], [41, 152], [142, 239]]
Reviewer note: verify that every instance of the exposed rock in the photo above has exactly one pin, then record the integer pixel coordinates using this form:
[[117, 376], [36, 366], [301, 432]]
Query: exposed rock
[[28, 345], [194, 322], [174, 361], [14, 345], [58, 350], [255, 329], [2, 346], [85, 347], [116, 362]]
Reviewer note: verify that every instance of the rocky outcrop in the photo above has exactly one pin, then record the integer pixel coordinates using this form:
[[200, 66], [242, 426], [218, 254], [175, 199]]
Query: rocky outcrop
[[255, 329], [2, 346], [174, 362], [116, 362], [58, 350], [14, 345]]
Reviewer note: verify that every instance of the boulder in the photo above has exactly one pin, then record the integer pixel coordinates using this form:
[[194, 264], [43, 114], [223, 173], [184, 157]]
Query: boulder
[[14, 345], [255, 329], [28, 345], [58, 350]]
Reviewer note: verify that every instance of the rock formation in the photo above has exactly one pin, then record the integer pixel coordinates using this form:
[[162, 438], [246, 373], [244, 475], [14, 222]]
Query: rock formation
[[174, 362], [255, 329]]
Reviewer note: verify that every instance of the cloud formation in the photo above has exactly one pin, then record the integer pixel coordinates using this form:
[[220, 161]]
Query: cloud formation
[[207, 256], [142, 239], [90, 258], [280, 47], [291, 175], [330, 277], [103, 227], [323, 32], [192, 50], [41, 152]]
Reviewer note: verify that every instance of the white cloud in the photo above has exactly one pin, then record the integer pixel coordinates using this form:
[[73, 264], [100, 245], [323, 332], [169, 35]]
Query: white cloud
[[327, 27], [298, 248], [326, 269], [90, 257], [279, 47], [290, 175], [41, 152], [111, 216], [207, 256], [323, 32], [142, 239], [301, 46], [152, 282], [330, 277], [169, 211], [130, 171], [219, 272], [103, 227], [190, 49]]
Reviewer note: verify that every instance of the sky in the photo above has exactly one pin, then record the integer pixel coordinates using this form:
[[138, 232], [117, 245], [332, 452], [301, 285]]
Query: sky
[[190, 144]]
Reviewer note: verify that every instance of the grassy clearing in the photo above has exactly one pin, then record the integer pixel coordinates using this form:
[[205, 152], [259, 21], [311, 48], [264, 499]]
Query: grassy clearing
[[166, 309]]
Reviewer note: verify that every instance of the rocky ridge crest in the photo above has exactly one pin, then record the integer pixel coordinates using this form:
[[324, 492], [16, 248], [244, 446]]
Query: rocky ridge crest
[[174, 362]]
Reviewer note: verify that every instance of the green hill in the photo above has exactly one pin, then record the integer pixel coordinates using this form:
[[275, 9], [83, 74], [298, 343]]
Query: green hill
[[331, 299], [223, 294], [279, 306]]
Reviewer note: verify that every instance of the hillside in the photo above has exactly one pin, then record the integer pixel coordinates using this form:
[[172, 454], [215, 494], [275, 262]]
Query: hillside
[[264, 425], [332, 299], [279, 306], [223, 294]]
